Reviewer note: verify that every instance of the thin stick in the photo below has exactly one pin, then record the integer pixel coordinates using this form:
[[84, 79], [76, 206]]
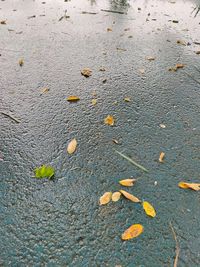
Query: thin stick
[[113, 11], [177, 245], [11, 117], [132, 161], [192, 77]]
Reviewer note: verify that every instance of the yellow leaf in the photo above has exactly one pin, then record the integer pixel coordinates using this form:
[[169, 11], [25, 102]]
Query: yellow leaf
[[45, 90], [94, 102], [149, 209], [132, 232], [109, 120], [21, 62], [116, 196], [127, 182], [130, 196], [127, 99], [73, 98], [105, 199], [86, 72], [161, 157], [194, 186], [71, 148]]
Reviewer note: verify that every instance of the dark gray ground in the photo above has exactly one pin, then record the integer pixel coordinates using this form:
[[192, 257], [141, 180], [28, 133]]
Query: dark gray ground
[[60, 223]]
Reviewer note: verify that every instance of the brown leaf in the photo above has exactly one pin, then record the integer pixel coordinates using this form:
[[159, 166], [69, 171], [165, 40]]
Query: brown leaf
[[181, 42], [71, 148], [109, 30], [194, 186], [86, 72], [109, 120], [73, 98], [130, 196], [21, 62], [3, 22], [116, 196], [132, 232], [161, 157], [150, 58], [176, 67], [127, 182], [105, 199]]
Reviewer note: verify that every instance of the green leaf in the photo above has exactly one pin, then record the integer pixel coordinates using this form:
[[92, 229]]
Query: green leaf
[[44, 172]]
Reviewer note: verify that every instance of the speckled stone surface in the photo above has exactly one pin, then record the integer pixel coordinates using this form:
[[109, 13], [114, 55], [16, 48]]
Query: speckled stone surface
[[59, 222]]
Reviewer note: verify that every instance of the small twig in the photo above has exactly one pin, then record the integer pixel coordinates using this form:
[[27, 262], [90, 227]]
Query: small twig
[[11, 117], [113, 11], [132, 161], [192, 77], [177, 245], [90, 13]]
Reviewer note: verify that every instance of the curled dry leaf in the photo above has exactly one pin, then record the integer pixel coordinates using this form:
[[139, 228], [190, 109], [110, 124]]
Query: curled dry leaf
[[71, 148], [109, 120], [149, 209], [73, 98], [161, 157], [130, 196], [105, 199], [176, 67], [109, 30], [86, 72], [132, 232], [116, 196], [194, 186], [3, 22], [150, 58], [127, 182], [21, 62]]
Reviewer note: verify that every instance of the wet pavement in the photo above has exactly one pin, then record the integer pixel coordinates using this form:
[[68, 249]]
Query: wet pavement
[[59, 222]]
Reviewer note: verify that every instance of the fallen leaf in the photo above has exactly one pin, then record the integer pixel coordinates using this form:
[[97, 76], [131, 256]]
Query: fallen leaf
[[116, 196], [44, 172], [109, 30], [3, 22], [149, 209], [142, 71], [150, 58], [109, 120], [71, 148], [73, 98], [194, 186], [177, 66], [21, 62], [44, 90], [86, 72], [115, 141], [181, 42], [162, 126], [102, 69], [127, 182], [130, 196], [127, 99], [132, 232], [161, 157], [94, 102], [105, 199]]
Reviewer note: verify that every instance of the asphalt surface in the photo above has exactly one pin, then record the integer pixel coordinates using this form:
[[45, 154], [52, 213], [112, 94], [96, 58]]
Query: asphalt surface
[[60, 222]]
